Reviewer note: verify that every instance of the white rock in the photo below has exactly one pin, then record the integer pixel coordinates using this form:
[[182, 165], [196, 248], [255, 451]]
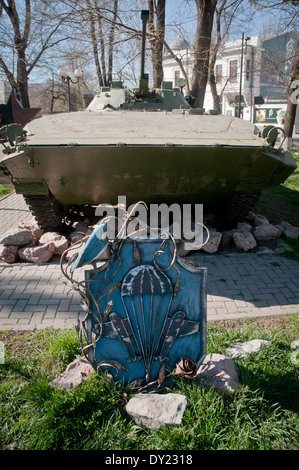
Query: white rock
[[60, 242], [213, 243], [17, 237], [242, 349], [154, 411], [8, 253], [75, 374], [220, 372], [34, 229], [244, 241], [227, 237], [267, 232], [289, 230], [260, 219], [243, 227], [37, 254]]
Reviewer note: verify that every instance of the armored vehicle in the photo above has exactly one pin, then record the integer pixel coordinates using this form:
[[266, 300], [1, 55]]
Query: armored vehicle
[[145, 144]]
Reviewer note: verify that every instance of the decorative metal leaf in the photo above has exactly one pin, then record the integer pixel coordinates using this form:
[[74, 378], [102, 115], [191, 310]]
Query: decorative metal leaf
[[137, 256], [118, 365], [162, 374], [108, 308], [186, 368]]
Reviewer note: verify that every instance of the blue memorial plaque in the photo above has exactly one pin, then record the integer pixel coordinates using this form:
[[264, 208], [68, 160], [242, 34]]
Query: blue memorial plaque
[[145, 307]]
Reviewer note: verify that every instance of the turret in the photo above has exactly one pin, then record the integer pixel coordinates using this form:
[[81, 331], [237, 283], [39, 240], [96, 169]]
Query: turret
[[118, 97]]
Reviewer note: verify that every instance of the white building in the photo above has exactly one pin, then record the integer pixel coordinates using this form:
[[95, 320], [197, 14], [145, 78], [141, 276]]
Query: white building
[[250, 71], [237, 77]]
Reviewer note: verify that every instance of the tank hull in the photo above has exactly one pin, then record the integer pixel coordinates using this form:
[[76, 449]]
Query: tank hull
[[155, 174], [69, 161]]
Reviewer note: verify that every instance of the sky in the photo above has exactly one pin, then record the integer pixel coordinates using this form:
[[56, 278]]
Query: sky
[[177, 12], [181, 19]]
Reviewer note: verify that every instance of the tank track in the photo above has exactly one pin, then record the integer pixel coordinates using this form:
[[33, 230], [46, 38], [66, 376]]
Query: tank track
[[238, 208], [47, 212]]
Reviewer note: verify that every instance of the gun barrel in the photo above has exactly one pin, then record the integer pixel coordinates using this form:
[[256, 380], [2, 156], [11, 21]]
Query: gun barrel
[[144, 17]]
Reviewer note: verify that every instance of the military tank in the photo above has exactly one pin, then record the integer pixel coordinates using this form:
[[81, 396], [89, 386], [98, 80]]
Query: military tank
[[147, 144]]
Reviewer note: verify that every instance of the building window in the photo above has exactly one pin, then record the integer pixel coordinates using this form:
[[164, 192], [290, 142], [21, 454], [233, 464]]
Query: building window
[[248, 69], [219, 73], [176, 77], [233, 66]]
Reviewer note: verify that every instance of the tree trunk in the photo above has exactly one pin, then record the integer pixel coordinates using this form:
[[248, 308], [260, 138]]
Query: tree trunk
[[293, 96], [212, 82], [212, 78], [214, 52], [94, 41], [20, 42], [22, 81], [157, 42], [205, 15], [8, 74], [103, 58], [111, 42], [98, 37]]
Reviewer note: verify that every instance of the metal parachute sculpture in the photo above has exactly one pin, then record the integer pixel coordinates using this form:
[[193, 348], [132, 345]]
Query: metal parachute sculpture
[[145, 306]]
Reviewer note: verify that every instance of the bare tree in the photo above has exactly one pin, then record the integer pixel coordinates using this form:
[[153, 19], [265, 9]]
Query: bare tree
[[111, 41], [288, 14], [18, 24], [214, 52], [157, 29], [205, 17], [20, 42], [292, 100], [226, 14], [155, 35], [97, 12]]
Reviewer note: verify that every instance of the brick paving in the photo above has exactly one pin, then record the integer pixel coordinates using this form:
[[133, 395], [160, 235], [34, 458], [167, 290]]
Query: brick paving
[[239, 285], [13, 210]]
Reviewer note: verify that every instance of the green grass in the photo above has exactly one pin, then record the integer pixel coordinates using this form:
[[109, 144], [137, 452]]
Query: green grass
[[293, 243], [293, 180], [4, 191], [282, 202], [262, 415]]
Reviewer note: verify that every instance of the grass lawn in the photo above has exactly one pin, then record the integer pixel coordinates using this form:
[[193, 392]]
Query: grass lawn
[[4, 191], [282, 202], [262, 415]]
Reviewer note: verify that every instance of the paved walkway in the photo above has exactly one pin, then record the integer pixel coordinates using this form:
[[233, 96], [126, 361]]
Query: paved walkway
[[239, 285]]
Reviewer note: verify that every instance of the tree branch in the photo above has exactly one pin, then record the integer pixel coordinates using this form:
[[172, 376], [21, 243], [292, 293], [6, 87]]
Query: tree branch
[[27, 22], [46, 44], [8, 74]]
